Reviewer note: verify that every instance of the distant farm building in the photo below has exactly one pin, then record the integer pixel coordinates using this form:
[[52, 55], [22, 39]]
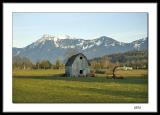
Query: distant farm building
[[77, 65], [125, 68]]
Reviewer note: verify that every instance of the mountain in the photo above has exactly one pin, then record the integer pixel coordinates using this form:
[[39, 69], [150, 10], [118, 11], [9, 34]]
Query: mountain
[[52, 47]]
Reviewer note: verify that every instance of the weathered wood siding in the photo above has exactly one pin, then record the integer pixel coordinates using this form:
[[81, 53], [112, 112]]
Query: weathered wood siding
[[80, 64], [68, 70], [79, 67]]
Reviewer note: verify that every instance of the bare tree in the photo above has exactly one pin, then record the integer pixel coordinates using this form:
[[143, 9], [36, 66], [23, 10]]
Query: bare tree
[[114, 76], [114, 70]]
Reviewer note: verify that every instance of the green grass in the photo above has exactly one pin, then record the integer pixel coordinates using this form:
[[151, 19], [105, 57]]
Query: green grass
[[42, 72], [140, 72], [45, 86]]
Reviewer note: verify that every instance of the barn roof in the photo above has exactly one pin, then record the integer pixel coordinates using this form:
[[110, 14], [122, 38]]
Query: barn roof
[[72, 58]]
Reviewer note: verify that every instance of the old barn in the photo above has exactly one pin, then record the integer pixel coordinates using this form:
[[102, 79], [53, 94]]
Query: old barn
[[77, 65]]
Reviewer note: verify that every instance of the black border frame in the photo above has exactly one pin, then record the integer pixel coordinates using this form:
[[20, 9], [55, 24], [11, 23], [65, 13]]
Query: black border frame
[[108, 1]]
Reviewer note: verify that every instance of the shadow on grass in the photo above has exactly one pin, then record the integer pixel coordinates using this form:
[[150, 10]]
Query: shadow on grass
[[128, 80], [124, 93]]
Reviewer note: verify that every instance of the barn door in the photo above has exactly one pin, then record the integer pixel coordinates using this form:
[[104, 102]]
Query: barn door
[[81, 71]]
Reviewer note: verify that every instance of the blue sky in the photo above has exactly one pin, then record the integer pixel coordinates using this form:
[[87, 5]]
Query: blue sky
[[124, 27]]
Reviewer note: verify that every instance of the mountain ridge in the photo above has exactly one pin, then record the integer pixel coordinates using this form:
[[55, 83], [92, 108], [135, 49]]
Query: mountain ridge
[[52, 47]]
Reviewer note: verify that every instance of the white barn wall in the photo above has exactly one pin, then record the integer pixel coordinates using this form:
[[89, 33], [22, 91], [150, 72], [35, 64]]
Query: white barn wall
[[78, 64]]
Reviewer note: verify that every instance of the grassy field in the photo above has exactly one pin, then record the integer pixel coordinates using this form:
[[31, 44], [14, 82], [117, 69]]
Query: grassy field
[[46, 86]]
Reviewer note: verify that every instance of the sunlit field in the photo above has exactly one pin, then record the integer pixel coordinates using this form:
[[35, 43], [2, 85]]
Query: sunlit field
[[48, 86]]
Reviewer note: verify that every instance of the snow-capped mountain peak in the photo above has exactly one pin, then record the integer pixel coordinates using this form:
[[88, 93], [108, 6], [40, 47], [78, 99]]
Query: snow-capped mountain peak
[[52, 37], [51, 47], [55, 38], [64, 37], [49, 37]]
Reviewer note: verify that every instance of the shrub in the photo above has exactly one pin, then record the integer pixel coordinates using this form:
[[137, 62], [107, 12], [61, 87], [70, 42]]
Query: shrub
[[101, 71], [90, 75], [92, 71]]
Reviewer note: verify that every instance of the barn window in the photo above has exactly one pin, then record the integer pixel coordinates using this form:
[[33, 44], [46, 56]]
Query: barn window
[[80, 57], [81, 71]]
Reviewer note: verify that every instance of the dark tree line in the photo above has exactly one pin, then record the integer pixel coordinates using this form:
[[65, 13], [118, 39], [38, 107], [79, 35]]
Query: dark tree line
[[21, 63], [110, 63], [134, 59], [25, 63]]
